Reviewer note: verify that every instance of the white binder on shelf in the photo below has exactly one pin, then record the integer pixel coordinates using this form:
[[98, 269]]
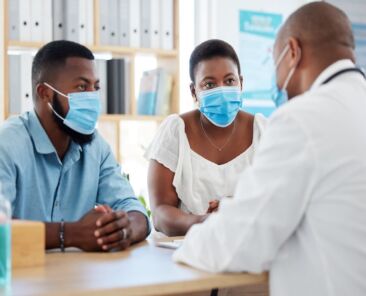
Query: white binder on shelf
[[25, 20], [36, 17], [167, 24], [47, 21], [124, 23], [134, 26], [104, 23], [82, 21], [26, 101], [89, 22], [14, 84], [14, 21], [113, 38], [150, 23], [58, 19], [72, 20]]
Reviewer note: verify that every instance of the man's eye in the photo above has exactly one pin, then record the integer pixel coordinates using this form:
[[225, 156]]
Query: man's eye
[[82, 87]]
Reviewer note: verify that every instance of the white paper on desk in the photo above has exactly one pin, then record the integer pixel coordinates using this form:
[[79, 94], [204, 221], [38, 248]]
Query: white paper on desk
[[175, 244]]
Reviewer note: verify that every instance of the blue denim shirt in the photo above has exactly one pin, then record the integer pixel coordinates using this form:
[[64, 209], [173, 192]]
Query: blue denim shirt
[[42, 187]]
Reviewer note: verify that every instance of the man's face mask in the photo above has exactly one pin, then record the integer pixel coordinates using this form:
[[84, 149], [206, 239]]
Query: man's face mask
[[220, 105], [279, 95], [84, 110]]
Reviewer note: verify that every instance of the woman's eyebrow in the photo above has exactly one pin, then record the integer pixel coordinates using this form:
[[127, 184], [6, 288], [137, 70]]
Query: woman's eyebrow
[[229, 74], [208, 77]]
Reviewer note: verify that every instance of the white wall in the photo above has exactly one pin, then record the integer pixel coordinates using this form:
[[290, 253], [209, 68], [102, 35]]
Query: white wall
[[1, 61], [220, 19], [186, 37], [205, 19]]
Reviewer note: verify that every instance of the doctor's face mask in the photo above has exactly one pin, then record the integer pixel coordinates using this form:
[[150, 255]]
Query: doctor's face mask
[[280, 95]]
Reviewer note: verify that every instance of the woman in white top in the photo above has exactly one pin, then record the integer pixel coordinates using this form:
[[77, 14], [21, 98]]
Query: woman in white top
[[196, 157]]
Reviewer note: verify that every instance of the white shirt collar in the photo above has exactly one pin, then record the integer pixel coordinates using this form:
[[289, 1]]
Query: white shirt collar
[[330, 70]]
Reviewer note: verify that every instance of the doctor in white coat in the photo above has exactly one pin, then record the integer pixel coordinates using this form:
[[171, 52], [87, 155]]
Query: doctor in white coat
[[299, 211]]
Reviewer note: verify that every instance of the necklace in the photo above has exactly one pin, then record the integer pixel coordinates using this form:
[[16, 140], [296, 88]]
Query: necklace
[[211, 142]]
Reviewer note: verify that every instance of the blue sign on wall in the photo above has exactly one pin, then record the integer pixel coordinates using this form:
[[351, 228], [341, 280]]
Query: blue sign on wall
[[258, 31]]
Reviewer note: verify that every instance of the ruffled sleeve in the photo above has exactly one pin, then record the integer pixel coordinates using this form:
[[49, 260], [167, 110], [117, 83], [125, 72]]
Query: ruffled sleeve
[[165, 146]]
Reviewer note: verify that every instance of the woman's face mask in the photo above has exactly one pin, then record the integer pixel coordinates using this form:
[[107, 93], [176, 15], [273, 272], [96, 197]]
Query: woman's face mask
[[220, 105], [84, 110]]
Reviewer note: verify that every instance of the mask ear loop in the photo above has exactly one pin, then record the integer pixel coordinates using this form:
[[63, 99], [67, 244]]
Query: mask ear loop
[[287, 81], [282, 55], [54, 112], [55, 90], [49, 104]]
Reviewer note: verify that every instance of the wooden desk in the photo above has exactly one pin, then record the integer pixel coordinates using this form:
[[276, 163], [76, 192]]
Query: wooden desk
[[142, 270]]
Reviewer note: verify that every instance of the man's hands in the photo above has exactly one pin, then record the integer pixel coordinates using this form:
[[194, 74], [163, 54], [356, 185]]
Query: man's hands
[[114, 231], [101, 229]]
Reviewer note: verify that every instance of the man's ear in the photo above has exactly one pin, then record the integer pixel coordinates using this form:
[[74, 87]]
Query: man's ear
[[295, 51], [193, 92], [44, 93]]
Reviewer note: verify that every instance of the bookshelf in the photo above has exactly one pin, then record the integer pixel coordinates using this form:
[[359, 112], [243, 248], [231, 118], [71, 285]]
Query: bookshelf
[[168, 59]]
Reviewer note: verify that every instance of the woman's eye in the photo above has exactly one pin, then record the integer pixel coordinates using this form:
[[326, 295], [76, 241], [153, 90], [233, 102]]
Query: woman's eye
[[230, 81], [209, 85]]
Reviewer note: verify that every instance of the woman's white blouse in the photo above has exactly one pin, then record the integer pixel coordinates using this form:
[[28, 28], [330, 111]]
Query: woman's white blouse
[[196, 179]]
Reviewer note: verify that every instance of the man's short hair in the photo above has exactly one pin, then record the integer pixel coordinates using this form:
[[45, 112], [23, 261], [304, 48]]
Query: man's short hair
[[52, 56]]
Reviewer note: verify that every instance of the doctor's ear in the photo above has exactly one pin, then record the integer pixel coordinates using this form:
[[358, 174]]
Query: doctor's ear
[[295, 51], [193, 92]]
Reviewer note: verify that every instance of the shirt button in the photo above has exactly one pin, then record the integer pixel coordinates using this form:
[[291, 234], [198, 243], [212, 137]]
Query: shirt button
[[56, 203]]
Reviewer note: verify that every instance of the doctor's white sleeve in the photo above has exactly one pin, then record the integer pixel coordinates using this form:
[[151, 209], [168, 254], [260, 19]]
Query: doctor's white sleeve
[[270, 200]]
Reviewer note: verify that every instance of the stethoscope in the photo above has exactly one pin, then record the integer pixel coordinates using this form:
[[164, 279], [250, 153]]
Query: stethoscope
[[344, 71]]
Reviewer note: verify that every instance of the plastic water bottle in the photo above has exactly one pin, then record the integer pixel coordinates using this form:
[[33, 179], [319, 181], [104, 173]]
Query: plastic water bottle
[[5, 240]]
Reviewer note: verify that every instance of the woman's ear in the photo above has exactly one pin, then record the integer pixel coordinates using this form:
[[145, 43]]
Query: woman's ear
[[193, 92], [241, 82]]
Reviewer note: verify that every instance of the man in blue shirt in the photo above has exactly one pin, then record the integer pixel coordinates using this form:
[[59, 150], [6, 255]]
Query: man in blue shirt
[[56, 168]]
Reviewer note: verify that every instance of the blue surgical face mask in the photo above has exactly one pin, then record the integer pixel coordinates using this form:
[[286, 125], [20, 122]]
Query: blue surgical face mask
[[220, 105], [279, 95], [84, 110]]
